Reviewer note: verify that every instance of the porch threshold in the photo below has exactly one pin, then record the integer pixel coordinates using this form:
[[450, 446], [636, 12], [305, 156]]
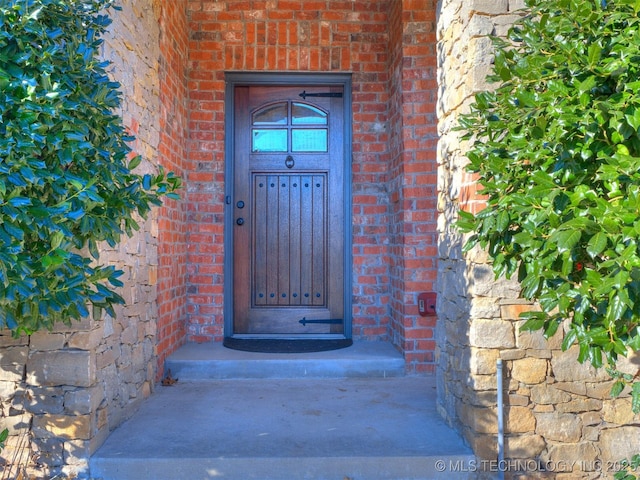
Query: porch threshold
[[213, 361]]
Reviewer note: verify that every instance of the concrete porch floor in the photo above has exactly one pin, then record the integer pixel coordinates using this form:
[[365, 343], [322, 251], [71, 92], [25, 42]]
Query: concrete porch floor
[[355, 427]]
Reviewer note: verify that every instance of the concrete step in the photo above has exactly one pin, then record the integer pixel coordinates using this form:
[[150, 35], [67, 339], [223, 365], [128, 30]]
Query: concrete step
[[212, 361], [287, 429], [458, 467]]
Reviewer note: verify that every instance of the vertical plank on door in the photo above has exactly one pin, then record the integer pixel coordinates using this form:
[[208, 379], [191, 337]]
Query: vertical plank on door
[[271, 245], [318, 239], [283, 240], [295, 265], [259, 283]]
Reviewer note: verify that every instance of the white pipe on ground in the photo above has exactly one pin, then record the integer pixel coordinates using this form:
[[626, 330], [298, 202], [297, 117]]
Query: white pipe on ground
[[500, 420]]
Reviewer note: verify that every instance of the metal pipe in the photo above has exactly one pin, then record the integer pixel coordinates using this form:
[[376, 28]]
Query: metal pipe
[[500, 420]]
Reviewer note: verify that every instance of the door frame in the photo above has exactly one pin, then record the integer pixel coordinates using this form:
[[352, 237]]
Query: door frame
[[236, 79]]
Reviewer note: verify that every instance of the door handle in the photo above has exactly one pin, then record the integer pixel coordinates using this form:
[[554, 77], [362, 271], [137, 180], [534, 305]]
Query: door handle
[[240, 221]]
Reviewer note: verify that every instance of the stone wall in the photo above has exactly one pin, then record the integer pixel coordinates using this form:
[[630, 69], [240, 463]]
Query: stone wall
[[63, 391], [559, 416]]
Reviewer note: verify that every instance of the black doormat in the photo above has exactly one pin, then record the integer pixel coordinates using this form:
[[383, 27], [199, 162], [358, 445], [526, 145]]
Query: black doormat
[[270, 345]]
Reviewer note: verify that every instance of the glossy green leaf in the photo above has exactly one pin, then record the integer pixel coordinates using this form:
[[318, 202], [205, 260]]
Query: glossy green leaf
[[20, 202], [617, 388], [56, 240], [135, 162], [634, 119], [635, 397], [597, 244], [594, 54], [566, 239]]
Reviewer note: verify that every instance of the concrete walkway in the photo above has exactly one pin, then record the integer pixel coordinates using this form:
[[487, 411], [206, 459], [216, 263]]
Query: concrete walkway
[[287, 429]]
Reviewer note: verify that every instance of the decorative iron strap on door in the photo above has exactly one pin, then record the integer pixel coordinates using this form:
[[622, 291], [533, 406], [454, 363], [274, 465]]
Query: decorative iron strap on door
[[304, 94], [289, 251], [329, 321]]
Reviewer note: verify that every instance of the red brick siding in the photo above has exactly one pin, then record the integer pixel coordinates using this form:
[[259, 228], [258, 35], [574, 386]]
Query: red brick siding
[[389, 47], [413, 176], [322, 36], [172, 269]]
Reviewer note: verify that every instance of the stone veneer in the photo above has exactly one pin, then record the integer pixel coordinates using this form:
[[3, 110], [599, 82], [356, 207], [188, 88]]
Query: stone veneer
[[62, 392], [559, 415]]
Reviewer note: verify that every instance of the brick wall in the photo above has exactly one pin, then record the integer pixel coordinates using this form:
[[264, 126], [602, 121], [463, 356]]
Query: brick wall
[[413, 177], [172, 228], [390, 125], [370, 166], [321, 36]]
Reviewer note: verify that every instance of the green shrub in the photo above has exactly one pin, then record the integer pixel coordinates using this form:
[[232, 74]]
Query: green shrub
[[65, 167], [556, 147]]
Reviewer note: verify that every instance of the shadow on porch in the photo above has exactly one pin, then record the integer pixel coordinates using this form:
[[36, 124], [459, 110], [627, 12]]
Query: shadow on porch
[[344, 414]]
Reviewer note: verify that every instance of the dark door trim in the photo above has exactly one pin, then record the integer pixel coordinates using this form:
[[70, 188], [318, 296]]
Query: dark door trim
[[234, 79]]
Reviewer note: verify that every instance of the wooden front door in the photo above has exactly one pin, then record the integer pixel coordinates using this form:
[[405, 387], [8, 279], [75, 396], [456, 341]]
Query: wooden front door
[[288, 210]]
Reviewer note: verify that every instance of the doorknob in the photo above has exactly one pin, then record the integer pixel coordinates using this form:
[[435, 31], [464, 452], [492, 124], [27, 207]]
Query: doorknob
[[240, 221], [240, 204]]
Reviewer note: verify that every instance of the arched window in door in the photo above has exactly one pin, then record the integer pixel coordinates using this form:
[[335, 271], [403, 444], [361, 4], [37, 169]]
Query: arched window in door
[[289, 127]]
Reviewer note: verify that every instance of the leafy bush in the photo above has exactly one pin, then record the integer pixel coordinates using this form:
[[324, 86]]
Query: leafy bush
[[556, 148], [65, 167]]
